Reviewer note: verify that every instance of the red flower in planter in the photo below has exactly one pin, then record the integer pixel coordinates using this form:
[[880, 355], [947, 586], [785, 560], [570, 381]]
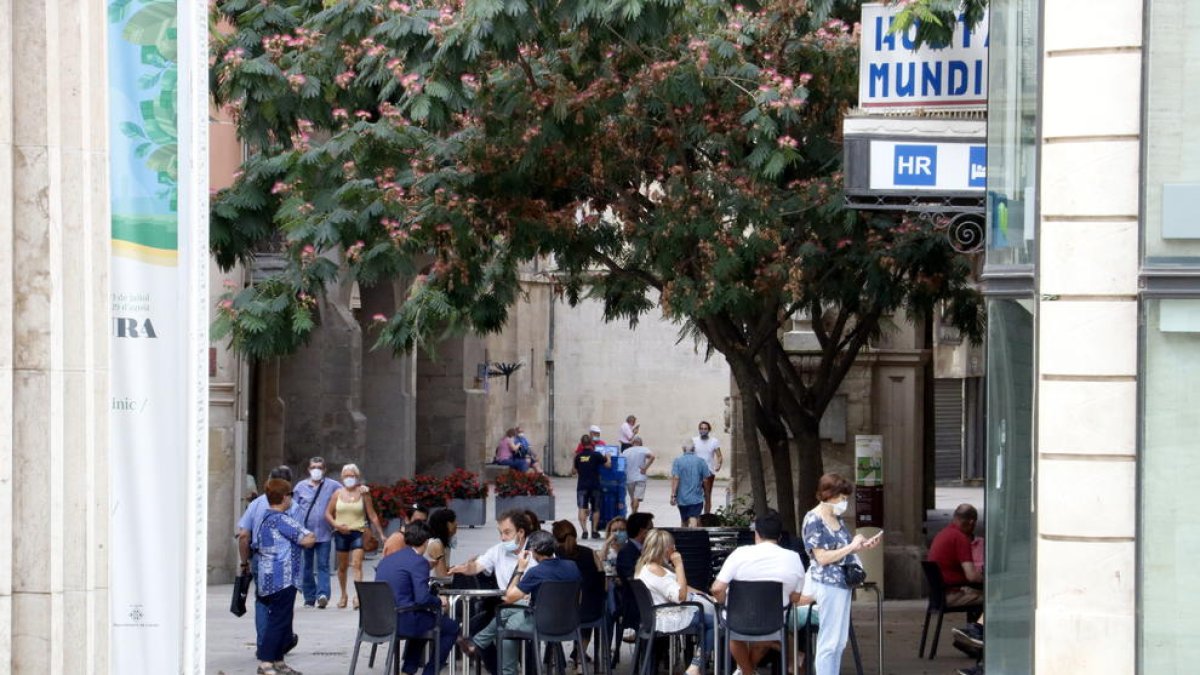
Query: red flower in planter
[[517, 484], [463, 484]]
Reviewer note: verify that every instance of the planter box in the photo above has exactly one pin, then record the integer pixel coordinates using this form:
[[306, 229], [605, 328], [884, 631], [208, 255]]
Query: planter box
[[542, 505], [470, 512]]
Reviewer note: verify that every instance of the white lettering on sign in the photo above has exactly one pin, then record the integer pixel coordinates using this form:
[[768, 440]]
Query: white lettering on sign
[[928, 166], [893, 75]]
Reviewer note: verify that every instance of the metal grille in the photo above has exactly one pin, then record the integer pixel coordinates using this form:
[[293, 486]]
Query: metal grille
[[948, 430]]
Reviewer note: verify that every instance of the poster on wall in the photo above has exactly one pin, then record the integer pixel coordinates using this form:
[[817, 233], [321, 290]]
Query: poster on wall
[[158, 269], [868, 480]]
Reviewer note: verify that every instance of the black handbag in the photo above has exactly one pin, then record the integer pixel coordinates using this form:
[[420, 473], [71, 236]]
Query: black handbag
[[855, 574], [241, 589]]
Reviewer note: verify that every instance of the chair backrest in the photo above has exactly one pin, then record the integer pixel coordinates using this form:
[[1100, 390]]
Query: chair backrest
[[645, 604], [695, 547], [556, 607], [937, 585], [377, 610], [748, 606]]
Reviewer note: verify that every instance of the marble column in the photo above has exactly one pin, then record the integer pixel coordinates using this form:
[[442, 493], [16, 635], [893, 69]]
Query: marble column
[[54, 318]]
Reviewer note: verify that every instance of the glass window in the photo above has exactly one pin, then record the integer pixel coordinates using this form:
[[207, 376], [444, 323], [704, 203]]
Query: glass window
[[1170, 459], [1172, 141], [1009, 562], [1012, 131]]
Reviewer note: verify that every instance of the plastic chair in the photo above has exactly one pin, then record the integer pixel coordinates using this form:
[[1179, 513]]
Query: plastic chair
[[555, 612], [431, 637], [376, 621], [647, 631], [594, 616], [745, 619], [937, 603]]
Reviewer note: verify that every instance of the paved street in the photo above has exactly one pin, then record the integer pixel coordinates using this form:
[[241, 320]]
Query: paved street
[[327, 636]]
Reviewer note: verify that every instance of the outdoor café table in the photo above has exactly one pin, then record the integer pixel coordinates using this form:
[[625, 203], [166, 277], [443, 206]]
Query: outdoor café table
[[459, 602]]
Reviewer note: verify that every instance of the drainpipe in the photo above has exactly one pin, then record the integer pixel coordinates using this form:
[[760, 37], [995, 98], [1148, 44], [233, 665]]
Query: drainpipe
[[548, 454]]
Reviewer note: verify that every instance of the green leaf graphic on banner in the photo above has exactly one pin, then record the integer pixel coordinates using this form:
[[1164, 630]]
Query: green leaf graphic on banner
[[151, 25], [152, 231]]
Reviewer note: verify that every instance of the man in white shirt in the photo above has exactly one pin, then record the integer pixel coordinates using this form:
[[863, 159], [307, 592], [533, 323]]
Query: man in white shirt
[[765, 561], [708, 448], [501, 560], [638, 458], [628, 430]]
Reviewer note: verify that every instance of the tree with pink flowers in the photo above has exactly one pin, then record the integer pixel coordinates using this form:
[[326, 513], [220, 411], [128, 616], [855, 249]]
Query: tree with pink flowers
[[672, 156]]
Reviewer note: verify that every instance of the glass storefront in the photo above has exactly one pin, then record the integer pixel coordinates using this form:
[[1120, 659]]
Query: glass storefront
[[1009, 564], [1171, 213], [1012, 132], [1169, 547]]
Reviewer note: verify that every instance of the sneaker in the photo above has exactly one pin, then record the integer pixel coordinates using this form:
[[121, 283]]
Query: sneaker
[[973, 670], [971, 634], [322, 601], [585, 534], [629, 635]]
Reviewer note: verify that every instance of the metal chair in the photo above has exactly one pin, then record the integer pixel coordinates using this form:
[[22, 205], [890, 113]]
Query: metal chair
[[937, 603], [376, 621], [746, 621], [555, 612], [647, 631]]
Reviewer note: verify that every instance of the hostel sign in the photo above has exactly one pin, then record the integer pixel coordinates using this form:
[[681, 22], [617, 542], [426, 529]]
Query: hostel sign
[[942, 167], [894, 76]]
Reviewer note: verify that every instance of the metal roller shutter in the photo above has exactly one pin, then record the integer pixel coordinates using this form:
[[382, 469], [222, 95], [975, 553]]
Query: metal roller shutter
[[948, 430]]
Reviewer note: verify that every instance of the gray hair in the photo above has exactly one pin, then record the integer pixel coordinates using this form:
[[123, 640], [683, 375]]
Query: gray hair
[[353, 468]]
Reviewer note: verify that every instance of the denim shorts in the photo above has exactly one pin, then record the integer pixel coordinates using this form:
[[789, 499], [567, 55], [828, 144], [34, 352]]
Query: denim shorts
[[347, 542], [588, 498], [690, 511]]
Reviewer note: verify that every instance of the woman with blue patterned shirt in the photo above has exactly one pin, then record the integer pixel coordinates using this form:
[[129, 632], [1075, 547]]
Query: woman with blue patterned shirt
[[829, 546], [278, 540]]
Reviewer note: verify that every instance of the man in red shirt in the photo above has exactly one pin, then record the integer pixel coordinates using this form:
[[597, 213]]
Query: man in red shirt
[[951, 550]]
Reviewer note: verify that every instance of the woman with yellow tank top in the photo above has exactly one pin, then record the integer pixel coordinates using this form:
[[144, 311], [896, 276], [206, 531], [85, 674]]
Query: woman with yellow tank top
[[349, 510]]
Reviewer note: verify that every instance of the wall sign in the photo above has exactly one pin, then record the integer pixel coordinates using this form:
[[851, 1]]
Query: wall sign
[[892, 75], [931, 166]]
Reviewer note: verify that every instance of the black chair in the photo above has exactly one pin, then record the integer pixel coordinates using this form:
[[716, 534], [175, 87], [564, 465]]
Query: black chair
[[647, 631], [937, 603], [594, 616], [555, 611], [695, 547], [747, 617], [376, 621], [431, 637]]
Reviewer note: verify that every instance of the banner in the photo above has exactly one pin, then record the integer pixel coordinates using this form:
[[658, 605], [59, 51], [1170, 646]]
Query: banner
[[894, 75], [158, 419]]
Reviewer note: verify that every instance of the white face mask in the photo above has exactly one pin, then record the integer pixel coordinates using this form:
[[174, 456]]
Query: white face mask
[[840, 507], [350, 481], [316, 474]]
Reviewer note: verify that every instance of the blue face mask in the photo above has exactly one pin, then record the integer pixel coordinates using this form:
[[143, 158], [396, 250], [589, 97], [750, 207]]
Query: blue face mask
[[511, 545], [621, 536]]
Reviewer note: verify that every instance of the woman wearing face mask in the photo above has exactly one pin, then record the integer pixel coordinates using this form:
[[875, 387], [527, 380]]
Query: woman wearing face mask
[[661, 569], [444, 524], [349, 510], [829, 546]]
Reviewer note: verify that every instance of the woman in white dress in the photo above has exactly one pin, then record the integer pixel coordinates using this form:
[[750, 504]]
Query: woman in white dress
[[661, 569]]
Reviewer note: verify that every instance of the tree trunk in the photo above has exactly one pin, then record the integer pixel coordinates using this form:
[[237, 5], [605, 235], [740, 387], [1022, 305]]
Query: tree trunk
[[748, 438], [811, 464], [785, 491]]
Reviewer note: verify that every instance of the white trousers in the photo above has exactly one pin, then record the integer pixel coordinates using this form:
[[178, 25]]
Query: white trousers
[[833, 603]]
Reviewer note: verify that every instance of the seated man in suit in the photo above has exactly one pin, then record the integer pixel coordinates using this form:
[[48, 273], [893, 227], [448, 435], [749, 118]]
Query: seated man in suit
[[407, 572]]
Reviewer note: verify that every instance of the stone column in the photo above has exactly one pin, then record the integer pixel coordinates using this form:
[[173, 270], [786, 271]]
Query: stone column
[[54, 318], [1086, 619]]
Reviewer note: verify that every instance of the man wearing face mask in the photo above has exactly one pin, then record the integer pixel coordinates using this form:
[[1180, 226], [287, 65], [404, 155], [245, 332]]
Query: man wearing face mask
[[708, 448], [312, 500], [533, 567]]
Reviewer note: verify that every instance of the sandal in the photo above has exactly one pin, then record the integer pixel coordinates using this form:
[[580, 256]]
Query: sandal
[[355, 603], [284, 669], [267, 670], [342, 603]]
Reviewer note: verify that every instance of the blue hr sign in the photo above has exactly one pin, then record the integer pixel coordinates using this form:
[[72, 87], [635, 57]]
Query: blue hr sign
[[915, 165], [977, 171]]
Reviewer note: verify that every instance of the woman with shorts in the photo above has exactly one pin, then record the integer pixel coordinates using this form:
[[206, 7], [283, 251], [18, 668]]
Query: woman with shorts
[[349, 510]]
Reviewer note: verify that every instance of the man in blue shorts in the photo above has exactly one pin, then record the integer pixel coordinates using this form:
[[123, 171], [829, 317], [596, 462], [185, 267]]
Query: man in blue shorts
[[587, 492], [687, 485]]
